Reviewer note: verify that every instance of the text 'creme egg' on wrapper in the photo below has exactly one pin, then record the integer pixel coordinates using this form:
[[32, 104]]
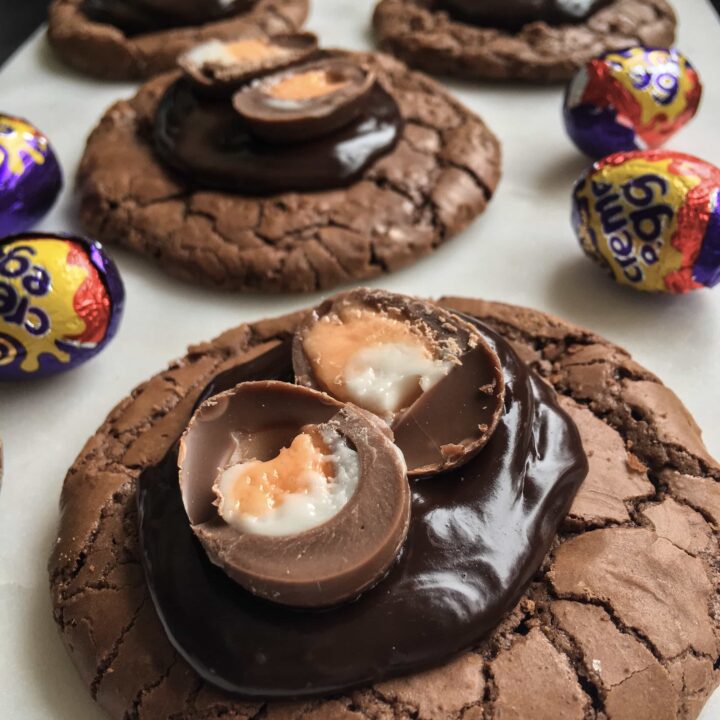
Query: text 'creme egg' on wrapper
[[632, 99], [61, 299], [30, 175], [652, 218]]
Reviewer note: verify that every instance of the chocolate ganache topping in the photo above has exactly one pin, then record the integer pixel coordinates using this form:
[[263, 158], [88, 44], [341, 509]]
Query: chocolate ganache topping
[[513, 14], [266, 125], [135, 17], [478, 531]]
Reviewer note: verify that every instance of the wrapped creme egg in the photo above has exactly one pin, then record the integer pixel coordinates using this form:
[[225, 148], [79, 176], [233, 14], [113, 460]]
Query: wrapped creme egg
[[632, 99], [652, 218], [61, 299], [30, 175]]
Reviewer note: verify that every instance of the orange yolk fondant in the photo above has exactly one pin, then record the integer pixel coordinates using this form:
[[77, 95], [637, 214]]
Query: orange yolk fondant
[[254, 49], [332, 342], [261, 485], [306, 86]]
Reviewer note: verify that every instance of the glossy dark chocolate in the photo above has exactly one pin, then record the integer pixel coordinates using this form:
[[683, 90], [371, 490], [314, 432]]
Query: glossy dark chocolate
[[193, 12], [279, 119], [473, 387], [135, 17], [513, 14], [321, 566], [206, 141], [476, 538]]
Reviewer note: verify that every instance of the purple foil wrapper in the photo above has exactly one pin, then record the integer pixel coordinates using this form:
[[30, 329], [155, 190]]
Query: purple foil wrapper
[[30, 175], [707, 266]]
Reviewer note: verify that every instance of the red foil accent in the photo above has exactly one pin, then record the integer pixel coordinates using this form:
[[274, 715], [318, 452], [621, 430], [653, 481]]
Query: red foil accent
[[604, 90], [693, 219], [91, 302]]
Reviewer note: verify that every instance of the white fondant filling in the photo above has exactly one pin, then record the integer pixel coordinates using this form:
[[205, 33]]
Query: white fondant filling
[[298, 511], [213, 52], [380, 378]]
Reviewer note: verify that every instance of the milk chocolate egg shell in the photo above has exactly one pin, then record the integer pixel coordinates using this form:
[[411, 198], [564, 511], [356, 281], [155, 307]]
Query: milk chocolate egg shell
[[320, 566], [227, 64], [61, 299], [307, 101], [426, 371], [630, 100], [652, 219], [30, 176]]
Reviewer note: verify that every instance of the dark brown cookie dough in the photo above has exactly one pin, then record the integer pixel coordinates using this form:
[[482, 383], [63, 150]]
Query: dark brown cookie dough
[[432, 41], [439, 176], [621, 622], [106, 52]]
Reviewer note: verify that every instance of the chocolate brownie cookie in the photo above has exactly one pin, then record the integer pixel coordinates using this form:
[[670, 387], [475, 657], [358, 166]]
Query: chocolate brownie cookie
[[620, 622], [435, 41], [439, 175], [106, 51]]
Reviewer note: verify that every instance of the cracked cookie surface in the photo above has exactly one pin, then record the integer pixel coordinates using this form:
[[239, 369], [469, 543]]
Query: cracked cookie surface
[[106, 52], [439, 176], [430, 40], [622, 622]]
